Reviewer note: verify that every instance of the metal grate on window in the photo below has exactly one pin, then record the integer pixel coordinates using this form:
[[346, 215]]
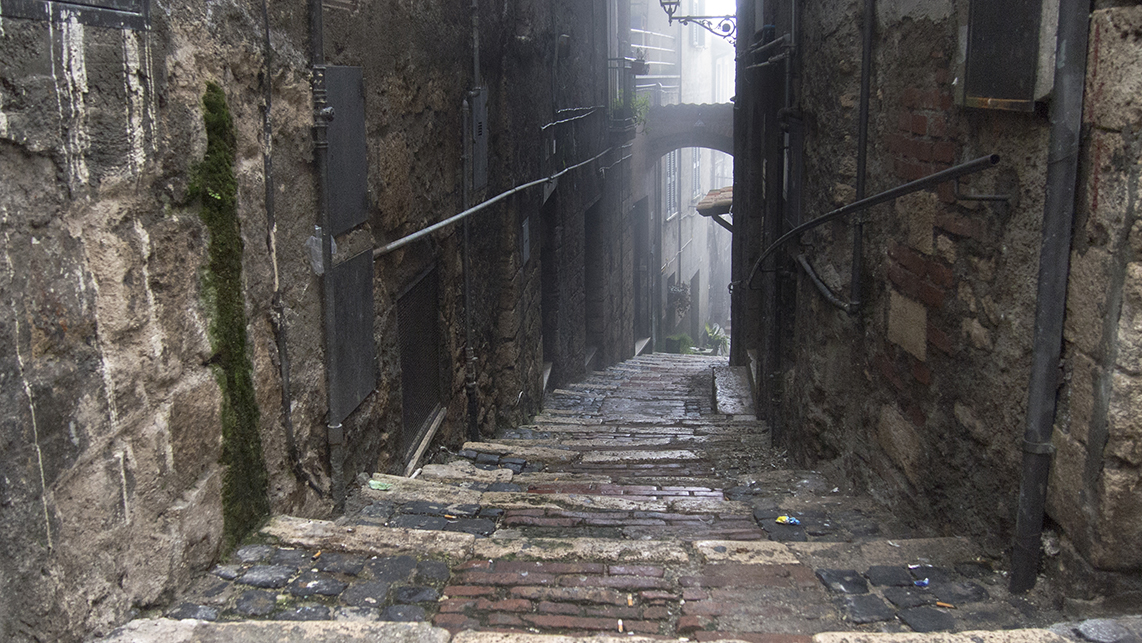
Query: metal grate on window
[[419, 331]]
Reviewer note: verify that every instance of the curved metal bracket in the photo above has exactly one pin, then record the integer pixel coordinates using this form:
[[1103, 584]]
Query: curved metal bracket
[[721, 26]]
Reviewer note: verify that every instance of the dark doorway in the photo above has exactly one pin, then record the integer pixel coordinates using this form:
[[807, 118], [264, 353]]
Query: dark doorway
[[552, 242], [419, 330], [642, 262], [595, 269]]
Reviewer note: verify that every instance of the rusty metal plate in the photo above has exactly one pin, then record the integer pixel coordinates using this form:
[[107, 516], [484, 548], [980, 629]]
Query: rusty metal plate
[[352, 358], [348, 159]]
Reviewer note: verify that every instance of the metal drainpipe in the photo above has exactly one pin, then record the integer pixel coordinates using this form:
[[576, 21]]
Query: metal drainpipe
[[322, 114], [862, 154], [1054, 269], [469, 168]]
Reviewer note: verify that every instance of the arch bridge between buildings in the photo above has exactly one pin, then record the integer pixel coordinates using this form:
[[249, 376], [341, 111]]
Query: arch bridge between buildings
[[672, 127]]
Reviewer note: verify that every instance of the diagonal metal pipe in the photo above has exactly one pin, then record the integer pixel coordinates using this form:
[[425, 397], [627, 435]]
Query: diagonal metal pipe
[[981, 163]]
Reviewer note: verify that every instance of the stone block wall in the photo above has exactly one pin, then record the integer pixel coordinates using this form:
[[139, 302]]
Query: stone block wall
[[921, 397], [112, 491], [1095, 491], [111, 409]]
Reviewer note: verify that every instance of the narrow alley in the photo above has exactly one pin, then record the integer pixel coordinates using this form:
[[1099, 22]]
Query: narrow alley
[[644, 500], [538, 321]]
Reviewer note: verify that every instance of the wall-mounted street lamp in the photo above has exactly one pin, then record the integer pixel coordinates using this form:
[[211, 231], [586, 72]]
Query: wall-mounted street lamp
[[721, 26]]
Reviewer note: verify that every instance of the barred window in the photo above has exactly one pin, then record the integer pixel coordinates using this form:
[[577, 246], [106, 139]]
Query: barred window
[[696, 173], [671, 194], [697, 33]]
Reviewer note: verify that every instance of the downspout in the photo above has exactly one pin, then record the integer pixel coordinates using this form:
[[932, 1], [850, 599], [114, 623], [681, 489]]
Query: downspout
[[322, 114], [862, 154], [1054, 268], [469, 168]]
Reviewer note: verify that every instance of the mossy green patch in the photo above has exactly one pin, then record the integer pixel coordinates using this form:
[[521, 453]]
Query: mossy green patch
[[245, 501]]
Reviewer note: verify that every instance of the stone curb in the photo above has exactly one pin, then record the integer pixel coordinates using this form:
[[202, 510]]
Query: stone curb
[[980, 636], [378, 541], [165, 630]]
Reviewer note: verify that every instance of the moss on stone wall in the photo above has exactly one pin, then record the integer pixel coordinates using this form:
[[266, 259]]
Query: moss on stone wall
[[245, 502]]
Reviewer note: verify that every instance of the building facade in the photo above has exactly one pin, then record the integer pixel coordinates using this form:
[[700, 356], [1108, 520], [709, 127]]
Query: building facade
[[899, 347]]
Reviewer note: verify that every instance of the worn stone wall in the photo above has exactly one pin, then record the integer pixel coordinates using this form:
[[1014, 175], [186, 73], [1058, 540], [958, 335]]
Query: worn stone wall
[[1095, 490], [111, 490], [920, 397], [111, 408]]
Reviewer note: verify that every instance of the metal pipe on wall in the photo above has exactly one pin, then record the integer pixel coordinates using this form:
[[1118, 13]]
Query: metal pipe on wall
[[322, 114], [1054, 270], [826, 293], [981, 163], [862, 152], [772, 91], [469, 148], [456, 218], [277, 305]]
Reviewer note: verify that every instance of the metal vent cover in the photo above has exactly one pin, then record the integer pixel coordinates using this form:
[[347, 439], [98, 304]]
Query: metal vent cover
[[1002, 54]]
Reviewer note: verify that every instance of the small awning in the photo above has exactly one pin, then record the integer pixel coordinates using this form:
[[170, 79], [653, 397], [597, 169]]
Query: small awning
[[716, 202]]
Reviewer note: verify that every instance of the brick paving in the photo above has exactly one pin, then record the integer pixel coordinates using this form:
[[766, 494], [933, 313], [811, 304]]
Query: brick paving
[[629, 506]]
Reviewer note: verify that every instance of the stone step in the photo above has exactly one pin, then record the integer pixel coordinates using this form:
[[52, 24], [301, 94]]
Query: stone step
[[319, 570], [195, 631], [733, 394], [628, 509]]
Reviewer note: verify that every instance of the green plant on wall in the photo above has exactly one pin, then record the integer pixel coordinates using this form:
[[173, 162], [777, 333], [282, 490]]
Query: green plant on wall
[[717, 339], [640, 108], [245, 502], [680, 343]]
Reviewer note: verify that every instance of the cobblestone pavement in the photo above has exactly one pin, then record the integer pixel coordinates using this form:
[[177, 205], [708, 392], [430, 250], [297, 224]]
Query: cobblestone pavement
[[629, 507]]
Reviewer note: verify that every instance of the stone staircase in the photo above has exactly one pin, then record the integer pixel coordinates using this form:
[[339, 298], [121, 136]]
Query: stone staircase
[[644, 503]]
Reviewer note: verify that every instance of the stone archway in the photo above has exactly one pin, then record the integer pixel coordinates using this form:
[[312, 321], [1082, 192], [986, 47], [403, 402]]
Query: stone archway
[[671, 127]]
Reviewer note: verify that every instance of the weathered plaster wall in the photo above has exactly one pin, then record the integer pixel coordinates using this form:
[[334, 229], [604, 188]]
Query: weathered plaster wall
[[111, 483], [920, 398], [1095, 491]]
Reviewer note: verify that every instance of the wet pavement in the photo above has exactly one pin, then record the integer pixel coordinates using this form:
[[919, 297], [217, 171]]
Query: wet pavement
[[630, 506]]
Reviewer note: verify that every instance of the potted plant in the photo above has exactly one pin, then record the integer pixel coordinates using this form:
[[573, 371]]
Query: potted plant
[[639, 66]]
